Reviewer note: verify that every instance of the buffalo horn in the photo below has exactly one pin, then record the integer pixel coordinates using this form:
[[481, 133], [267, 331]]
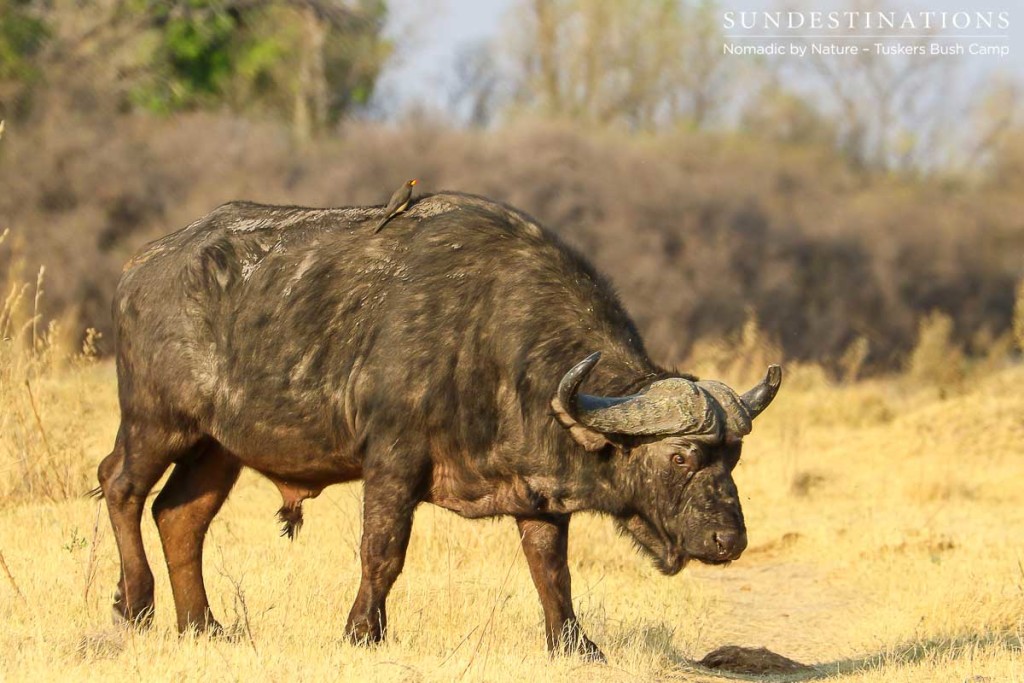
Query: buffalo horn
[[758, 398], [671, 406]]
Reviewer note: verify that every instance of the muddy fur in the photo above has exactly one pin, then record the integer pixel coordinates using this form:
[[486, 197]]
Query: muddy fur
[[422, 360]]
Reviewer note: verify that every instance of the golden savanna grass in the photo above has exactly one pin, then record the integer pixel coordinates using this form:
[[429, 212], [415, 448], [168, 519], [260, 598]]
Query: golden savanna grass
[[885, 521]]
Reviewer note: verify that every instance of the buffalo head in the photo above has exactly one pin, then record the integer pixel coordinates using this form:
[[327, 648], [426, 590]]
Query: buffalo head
[[679, 442]]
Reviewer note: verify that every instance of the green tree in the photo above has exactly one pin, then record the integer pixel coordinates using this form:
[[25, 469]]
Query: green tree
[[22, 35], [193, 60], [307, 61]]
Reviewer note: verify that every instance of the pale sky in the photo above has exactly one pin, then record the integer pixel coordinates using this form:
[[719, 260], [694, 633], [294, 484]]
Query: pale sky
[[430, 33]]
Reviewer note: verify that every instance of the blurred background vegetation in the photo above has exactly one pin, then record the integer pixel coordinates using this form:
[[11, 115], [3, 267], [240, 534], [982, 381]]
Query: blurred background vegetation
[[850, 213]]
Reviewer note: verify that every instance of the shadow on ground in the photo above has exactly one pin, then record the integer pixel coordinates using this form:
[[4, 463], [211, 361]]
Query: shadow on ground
[[740, 664]]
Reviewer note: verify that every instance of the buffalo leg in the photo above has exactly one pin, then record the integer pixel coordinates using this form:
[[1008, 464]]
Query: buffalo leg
[[546, 545], [140, 457], [194, 493], [389, 501]]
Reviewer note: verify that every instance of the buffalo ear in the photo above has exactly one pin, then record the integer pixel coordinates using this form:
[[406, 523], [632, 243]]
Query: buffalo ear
[[590, 439]]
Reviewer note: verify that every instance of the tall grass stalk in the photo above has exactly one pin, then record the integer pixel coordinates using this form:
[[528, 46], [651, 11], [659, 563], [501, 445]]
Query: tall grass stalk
[[39, 456]]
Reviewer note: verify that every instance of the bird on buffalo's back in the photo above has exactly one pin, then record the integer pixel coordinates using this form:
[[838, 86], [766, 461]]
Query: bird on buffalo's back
[[397, 204]]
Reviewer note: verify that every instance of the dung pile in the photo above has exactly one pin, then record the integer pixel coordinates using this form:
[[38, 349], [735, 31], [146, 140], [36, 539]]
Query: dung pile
[[750, 660]]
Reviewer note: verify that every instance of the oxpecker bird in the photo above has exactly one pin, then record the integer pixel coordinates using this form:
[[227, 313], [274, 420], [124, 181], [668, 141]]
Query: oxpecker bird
[[397, 204]]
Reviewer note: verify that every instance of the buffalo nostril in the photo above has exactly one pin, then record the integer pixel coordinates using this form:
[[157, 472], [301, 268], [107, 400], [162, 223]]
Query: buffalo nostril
[[723, 539], [729, 544]]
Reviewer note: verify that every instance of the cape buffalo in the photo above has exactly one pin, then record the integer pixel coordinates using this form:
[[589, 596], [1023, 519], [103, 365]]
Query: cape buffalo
[[450, 359]]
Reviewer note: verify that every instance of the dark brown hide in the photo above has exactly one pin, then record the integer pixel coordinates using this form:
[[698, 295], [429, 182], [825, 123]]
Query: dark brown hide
[[422, 360]]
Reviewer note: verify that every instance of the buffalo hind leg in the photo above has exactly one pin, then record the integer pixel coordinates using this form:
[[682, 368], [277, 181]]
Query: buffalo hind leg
[[546, 545], [389, 501], [140, 457], [194, 493]]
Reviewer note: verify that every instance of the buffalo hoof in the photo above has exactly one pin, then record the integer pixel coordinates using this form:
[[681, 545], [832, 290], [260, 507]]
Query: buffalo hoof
[[136, 617], [139, 615], [211, 628], [574, 643], [586, 650], [364, 633]]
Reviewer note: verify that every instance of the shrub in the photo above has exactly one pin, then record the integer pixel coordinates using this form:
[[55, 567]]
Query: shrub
[[695, 230], [936, 359]]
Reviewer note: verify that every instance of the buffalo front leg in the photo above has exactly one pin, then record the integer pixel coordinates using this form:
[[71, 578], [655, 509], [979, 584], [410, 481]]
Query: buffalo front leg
[[389, 502], [194, 493], [546, 545]]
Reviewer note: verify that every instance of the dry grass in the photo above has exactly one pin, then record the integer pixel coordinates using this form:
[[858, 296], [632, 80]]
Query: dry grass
[[1018, 317], [884, 521], [48, 408]]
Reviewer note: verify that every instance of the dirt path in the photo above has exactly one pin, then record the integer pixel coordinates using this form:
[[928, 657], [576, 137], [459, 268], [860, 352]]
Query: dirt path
[[791, 608]]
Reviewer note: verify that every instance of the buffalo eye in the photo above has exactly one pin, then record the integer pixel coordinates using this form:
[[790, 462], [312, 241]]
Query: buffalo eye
[[687, 458]]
